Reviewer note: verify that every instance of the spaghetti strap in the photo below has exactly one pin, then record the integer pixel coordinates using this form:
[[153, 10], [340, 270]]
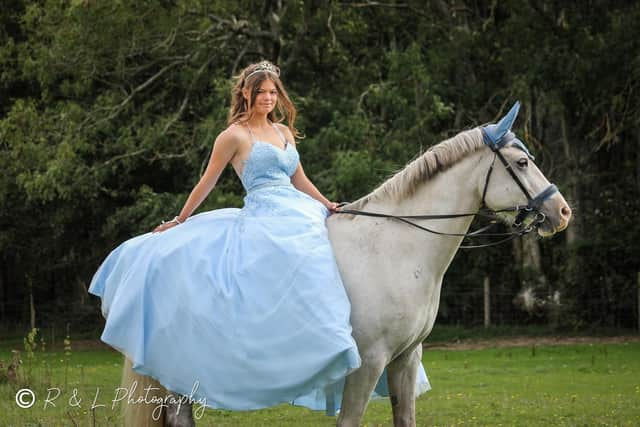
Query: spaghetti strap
[[281, 135], [253, 138]]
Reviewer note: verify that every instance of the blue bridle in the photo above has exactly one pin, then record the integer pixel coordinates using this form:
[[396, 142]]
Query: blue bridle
[[534, 204]]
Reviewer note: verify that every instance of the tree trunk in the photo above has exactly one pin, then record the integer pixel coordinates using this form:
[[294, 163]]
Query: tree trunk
[[32, 307], [533, 276], [571, 179], [3, 282], [487, 302]]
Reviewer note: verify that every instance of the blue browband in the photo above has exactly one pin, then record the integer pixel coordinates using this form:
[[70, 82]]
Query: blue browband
[[508, 139]]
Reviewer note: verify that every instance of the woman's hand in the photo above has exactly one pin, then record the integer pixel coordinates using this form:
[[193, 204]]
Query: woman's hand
[[165, 226], [333, 207]]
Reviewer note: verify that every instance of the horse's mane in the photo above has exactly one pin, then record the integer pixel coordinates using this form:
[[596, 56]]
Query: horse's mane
[[436, 159]]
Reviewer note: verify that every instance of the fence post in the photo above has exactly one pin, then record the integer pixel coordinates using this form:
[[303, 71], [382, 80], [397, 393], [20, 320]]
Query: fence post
[[487, 303], [638, 300]]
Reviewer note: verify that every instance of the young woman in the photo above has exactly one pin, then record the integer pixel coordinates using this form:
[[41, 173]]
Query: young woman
[[246, 306]]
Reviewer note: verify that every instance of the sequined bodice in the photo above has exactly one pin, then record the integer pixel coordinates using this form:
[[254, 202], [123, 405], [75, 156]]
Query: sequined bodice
[[269, 165]]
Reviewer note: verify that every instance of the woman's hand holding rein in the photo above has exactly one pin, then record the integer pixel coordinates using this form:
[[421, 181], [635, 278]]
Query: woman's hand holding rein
[[333, 207]]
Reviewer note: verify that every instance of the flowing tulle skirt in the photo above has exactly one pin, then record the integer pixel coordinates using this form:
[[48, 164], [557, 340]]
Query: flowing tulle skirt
[[237, 308]]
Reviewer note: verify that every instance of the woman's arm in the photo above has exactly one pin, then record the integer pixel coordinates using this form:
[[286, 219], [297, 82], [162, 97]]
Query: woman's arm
[[224, 148], [300, 180], [302, 183]]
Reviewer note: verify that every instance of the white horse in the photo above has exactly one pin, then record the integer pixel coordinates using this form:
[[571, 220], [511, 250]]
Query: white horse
[[393, 272]]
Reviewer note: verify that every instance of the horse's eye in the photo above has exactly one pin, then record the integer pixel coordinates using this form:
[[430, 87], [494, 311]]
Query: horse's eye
[[523, 163]]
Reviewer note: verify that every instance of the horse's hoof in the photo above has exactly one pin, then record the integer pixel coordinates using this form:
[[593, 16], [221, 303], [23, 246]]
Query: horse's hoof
[[178, 415]]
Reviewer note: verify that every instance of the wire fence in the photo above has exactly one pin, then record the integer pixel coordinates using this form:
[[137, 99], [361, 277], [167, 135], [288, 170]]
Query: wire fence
[[476, 307]]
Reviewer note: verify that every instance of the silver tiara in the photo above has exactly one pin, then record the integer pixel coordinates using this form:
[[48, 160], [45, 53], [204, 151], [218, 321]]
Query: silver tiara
[[265, 66]]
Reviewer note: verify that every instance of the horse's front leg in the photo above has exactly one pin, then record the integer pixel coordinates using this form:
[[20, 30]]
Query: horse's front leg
[[401, 377], [357, 390], [178, 413]]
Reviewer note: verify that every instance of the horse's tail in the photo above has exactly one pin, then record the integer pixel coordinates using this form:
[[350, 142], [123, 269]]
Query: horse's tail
[[138, 413]]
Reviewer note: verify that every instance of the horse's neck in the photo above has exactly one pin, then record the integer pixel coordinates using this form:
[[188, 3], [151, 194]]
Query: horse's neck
[[452, 191]]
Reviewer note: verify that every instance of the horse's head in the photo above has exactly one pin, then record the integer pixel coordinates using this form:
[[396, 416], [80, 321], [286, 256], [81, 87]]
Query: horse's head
[[514, 181]]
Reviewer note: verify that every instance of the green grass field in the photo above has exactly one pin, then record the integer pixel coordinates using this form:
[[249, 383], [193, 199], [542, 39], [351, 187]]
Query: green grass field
[[568, 385]]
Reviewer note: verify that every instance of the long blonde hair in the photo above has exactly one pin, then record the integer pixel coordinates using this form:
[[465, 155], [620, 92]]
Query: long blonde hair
[[240, 110]]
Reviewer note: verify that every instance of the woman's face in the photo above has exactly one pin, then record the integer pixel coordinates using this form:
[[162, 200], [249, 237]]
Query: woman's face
[[266, 97]]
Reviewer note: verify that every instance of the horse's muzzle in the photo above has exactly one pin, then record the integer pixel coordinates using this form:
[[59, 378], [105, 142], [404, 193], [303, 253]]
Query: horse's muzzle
[[558, 214]]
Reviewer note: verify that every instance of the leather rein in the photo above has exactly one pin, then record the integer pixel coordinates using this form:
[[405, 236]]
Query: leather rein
[[533, 207]]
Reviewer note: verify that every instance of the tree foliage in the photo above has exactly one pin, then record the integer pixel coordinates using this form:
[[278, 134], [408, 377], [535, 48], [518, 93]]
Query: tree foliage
[[109, 111]]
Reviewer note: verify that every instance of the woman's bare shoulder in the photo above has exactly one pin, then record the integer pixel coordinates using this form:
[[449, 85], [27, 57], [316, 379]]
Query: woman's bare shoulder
[[234, 134], [287, 132]]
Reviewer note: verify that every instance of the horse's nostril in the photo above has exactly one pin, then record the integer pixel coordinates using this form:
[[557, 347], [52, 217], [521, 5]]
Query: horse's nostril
[[565, 211]]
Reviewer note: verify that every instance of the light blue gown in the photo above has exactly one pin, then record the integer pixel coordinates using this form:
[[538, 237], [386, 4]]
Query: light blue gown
[[244, 305]]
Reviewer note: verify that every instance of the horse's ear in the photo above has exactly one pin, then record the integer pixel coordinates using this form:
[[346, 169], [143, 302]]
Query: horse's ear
[[497, 131], [504, 125]]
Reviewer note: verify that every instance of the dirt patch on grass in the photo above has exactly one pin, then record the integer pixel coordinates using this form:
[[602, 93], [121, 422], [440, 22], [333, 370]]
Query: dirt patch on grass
[[528, 342]]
